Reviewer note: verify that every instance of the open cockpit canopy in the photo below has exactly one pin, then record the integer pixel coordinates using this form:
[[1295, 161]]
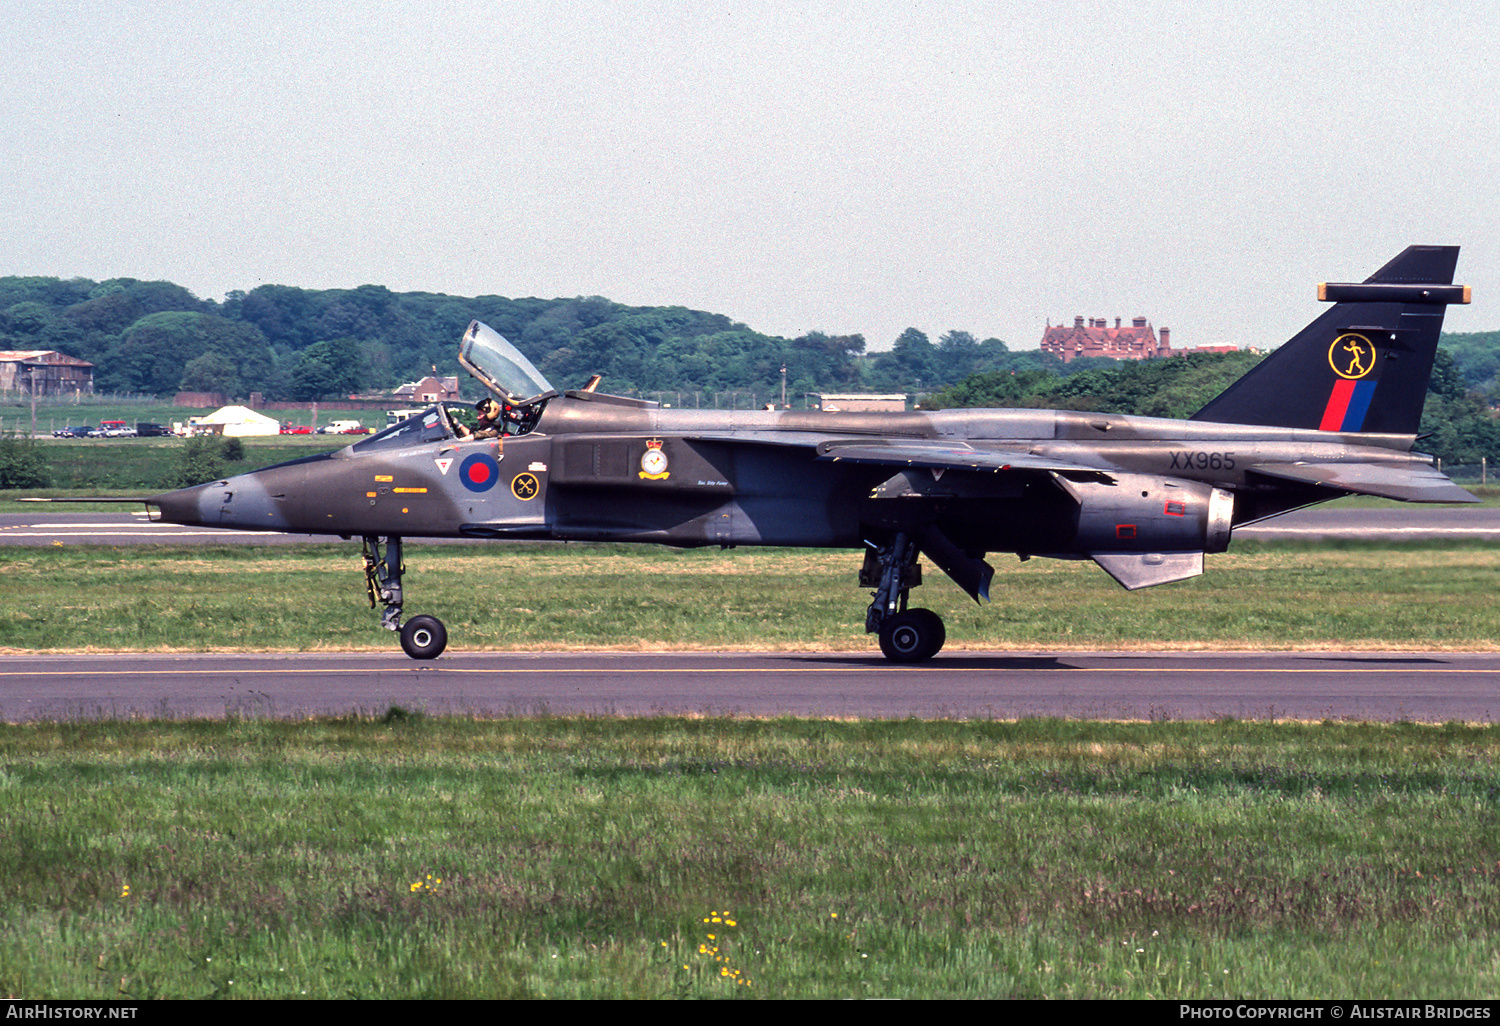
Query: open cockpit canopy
[[501, 368]]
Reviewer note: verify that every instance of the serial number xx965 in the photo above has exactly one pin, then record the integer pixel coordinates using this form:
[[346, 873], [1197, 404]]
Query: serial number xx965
[[1202, 461]]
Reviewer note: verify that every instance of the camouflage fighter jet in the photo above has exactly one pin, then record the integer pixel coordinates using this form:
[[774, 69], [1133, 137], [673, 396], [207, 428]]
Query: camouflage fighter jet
[[1334, 411]]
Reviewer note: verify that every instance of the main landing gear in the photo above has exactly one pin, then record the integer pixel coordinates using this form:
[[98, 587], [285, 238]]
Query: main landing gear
[[422, 637], [906, 635]]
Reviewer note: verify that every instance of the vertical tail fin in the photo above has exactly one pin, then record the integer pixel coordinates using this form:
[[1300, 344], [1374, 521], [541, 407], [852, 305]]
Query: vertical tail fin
[[1363, 365]]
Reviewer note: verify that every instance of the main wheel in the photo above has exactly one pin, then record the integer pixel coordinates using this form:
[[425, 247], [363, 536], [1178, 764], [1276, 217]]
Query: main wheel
[[424, 637], [913, 636]]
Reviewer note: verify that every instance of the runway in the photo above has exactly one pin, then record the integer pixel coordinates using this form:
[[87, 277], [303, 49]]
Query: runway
[[1381, 686], [129, 525], [125, 524], [1427, 687]]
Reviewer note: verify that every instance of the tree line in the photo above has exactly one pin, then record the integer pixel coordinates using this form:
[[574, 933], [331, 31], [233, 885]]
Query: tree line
[[304, 344], [301, 344]]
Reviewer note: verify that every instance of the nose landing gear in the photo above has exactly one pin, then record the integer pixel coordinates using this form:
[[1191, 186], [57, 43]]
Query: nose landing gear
[[423, 637]]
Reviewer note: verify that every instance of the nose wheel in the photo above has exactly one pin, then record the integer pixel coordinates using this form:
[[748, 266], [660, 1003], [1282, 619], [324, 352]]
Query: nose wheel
[[422, 637]]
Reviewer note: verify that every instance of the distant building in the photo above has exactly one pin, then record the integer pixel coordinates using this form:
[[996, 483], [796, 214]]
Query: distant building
[[830, 403], [44, 372], [201, 400], [1137, 342], [429, 390]]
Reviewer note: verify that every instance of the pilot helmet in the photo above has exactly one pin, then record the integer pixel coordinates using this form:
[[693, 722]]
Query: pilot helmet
[[484, 404]]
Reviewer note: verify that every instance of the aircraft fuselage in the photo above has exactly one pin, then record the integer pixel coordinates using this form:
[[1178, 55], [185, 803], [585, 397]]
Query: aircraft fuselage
[[748, 478]]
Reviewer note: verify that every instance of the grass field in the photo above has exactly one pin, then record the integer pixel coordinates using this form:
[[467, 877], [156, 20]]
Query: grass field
[[601, 858], [53, 415], [513, 597], [414, 857], [144, 466]]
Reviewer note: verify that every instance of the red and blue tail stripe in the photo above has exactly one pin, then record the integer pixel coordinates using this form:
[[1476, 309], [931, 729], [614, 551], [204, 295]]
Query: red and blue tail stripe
[[1348, 404]]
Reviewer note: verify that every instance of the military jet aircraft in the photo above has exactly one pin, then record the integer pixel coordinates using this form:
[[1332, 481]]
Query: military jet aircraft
[[1334, 411]]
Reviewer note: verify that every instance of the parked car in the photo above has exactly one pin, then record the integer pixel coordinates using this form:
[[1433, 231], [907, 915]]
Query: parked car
[[146, 429], [296, 429], [74, 431]]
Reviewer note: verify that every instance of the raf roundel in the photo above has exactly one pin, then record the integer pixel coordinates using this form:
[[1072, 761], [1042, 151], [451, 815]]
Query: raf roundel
[[479, 472]]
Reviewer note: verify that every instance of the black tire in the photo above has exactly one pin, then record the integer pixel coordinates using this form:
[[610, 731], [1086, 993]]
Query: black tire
[[424, 637], [913, 636]]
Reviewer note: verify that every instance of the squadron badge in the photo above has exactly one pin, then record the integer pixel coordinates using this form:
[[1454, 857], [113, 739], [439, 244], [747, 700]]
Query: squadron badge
[[1352, 356], [654, 461], [525, 486]]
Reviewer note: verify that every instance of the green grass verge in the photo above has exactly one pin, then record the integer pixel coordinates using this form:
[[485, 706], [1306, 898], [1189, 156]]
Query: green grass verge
[[145, 466], [55, 415], [598, 858], [512, 597]]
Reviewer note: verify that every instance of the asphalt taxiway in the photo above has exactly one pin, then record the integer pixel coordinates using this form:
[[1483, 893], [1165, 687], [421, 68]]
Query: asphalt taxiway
[[1380, 686], [1187, 685]]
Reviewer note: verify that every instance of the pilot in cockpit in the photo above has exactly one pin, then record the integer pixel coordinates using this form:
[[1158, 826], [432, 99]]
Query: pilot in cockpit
[[491, 422], [495, 419]]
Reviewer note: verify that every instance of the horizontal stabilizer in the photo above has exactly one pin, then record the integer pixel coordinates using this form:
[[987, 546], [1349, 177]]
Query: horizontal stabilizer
[[1144, 569], [1416, 483]]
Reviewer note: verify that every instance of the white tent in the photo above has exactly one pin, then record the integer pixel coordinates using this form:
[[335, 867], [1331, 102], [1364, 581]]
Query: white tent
[[241, 420]]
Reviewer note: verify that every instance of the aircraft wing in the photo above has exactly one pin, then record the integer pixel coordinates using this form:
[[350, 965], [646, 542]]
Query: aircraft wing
[[943, 455], [1419, 483]]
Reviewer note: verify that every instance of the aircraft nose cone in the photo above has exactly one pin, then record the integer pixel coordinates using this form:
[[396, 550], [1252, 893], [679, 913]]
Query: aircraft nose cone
[[185, 505]]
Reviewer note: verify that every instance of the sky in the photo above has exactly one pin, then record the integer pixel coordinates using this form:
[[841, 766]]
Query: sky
[[854, 166]]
